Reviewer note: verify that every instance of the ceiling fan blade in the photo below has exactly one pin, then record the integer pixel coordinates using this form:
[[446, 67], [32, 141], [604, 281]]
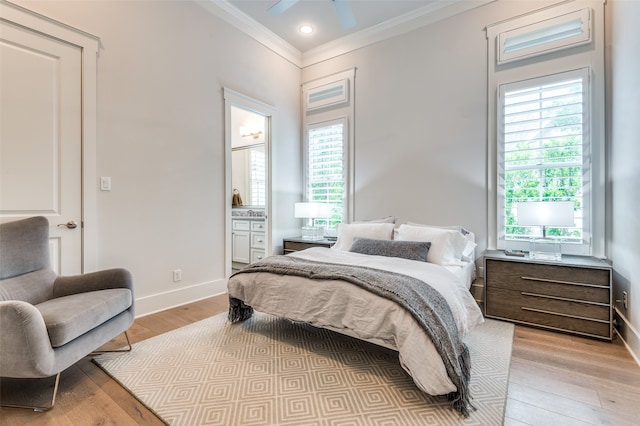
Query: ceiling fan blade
[[345, 14], [281, 7]]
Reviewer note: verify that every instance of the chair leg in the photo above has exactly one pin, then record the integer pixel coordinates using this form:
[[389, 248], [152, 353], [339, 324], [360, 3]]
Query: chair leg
[[127, 349], [38, 408]]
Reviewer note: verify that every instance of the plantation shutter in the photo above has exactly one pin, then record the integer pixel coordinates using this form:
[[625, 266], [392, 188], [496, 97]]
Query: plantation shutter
[[325, 168], [258, 178], [545, 154]]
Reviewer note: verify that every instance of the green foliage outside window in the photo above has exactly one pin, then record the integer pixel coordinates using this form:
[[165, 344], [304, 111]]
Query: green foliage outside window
[[543, 155]]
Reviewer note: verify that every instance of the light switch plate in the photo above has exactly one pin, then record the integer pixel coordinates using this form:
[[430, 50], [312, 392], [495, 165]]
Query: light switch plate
[[105, 183]]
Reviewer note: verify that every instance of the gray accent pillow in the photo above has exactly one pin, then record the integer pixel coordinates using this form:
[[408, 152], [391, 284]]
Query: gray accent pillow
[[412, 250]]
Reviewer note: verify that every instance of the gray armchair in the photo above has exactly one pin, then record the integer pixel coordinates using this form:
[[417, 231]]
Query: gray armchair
[[49, 322]]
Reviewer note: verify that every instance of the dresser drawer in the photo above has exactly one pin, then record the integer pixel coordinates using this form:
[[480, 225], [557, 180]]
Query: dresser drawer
[[559, 281], [507, 271], [257, 240], [256, 255], [561, 315], [257, 225], [528, 301], [241, 225]]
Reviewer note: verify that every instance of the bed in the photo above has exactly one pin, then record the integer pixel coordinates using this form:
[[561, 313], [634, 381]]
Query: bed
[[324, 287]]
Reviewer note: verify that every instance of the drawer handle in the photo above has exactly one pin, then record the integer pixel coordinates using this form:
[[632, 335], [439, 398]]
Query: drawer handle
[[542, 311], [565, 299], [545, 280], [260, 240]]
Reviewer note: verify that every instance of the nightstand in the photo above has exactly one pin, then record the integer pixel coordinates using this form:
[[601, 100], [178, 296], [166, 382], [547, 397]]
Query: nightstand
[[572, 295], [297, 243]]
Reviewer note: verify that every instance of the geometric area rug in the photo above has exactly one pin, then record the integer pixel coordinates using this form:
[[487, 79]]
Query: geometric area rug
[[271, 371]]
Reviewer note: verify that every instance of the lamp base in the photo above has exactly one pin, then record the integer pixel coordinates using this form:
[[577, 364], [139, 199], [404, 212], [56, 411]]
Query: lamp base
[[545, 249], [312, 233]]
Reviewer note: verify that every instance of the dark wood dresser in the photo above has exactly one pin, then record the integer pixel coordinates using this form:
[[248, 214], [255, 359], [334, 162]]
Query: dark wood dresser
[[296, 244], [572, 295]]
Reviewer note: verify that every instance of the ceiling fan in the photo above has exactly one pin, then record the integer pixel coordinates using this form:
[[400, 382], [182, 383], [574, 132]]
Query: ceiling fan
[[343, 9]]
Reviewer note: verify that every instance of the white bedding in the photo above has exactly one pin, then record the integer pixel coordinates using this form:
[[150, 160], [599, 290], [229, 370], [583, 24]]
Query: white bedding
[[353, 311], [465, 273]]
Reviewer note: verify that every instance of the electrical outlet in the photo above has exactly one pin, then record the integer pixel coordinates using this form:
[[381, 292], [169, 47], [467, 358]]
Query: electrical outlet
[[177, 275], [625, 300]]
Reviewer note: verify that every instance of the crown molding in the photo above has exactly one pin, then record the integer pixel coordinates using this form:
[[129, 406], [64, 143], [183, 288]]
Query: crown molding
[[230, 14], [426, 15], [403, 24]]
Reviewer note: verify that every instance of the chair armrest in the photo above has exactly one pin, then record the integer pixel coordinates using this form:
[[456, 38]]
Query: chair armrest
[[93, 281], [25, 349]]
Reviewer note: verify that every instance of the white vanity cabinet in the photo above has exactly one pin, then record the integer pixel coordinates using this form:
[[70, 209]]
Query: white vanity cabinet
[[241, 241], [248, 241], [257, 240]]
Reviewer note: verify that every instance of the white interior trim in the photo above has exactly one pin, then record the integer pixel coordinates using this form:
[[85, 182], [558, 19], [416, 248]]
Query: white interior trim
[[429, 14], [148, 305], [227, 12], [546, 36], [630, 336], [532, 68], [89, 45], [237, 99]]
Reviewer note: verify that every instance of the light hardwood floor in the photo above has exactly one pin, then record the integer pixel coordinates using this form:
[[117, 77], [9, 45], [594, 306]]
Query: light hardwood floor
[[555, 379]]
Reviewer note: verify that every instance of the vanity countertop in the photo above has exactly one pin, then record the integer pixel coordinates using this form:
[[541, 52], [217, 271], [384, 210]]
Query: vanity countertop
[[247, 214]]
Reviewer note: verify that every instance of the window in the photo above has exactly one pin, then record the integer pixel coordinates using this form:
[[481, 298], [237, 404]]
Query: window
[[326, 180], [546, 138], [328, 136], [544, 150], [257, 177]]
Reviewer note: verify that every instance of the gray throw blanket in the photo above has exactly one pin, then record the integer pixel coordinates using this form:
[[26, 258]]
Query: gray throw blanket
[[426, 305]]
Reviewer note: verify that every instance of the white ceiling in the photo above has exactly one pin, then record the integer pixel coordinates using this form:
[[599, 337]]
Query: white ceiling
[[321, 15]]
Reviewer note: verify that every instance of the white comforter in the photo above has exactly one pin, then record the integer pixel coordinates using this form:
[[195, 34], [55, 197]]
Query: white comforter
[[356, 312]]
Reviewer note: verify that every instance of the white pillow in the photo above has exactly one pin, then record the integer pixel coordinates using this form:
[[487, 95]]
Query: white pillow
[[468, 253], [388, 219], [348, 231], [447, 245]]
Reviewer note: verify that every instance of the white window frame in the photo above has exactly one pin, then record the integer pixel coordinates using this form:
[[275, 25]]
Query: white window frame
[[557, 33], [568, 248], [340, 111], [591, 56], [345, 147]]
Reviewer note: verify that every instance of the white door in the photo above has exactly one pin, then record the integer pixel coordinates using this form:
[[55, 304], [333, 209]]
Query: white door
[[41, 138]]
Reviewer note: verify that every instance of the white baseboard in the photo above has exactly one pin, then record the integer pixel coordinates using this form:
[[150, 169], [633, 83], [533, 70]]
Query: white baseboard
[[162, 301], [629, 335]]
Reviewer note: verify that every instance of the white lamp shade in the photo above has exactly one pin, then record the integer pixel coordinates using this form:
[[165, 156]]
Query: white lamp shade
[[546, 213], [312, 210]]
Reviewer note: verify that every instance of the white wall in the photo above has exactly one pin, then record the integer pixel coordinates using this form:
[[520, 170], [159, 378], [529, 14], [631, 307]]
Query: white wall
[[623, 34], [161, 69], [421, 121]]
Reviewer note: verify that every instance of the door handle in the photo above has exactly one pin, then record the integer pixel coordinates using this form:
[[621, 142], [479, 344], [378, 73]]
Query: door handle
[[70, 225]]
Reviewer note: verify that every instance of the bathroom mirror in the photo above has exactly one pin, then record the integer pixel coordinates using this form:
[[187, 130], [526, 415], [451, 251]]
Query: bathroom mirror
[[248, 176]]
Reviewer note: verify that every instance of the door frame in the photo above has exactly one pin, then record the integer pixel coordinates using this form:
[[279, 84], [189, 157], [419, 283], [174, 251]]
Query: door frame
[[89, 45], [238, 100]]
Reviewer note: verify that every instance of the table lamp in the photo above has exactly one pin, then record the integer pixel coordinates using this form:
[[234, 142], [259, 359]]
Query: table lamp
[[544, 214], [312, 211]]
